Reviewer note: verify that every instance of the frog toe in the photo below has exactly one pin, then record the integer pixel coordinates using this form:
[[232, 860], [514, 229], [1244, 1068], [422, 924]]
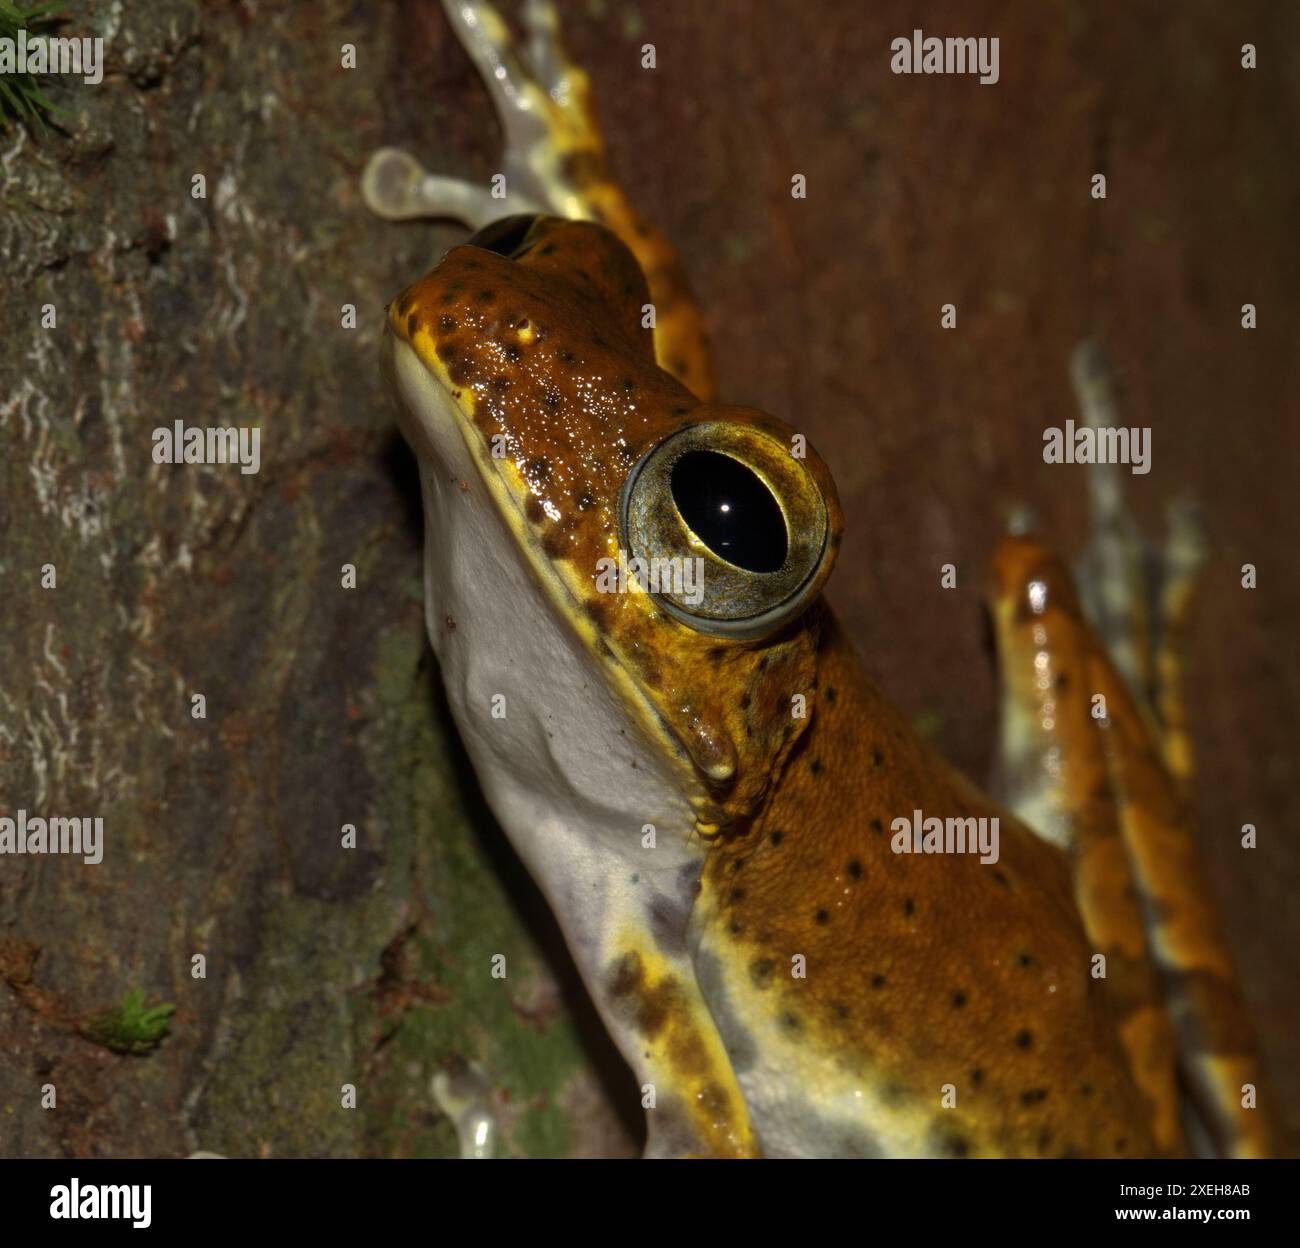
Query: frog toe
[[396, 186], [546, 54], [461, 1091]]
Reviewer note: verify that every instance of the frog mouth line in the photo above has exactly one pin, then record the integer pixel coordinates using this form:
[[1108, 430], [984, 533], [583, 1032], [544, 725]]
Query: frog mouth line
[[427, 407]]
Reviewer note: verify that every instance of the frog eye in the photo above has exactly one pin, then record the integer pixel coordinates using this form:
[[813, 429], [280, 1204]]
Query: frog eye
[[731, 527], [507, 236]]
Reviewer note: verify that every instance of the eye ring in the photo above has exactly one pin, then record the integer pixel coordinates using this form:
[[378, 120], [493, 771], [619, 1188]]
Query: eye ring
[[761, 586]]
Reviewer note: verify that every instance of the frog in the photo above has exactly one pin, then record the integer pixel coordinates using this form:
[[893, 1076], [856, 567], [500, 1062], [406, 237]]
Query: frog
[[624, 582]]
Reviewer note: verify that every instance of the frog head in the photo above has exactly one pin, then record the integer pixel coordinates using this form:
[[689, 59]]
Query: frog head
[[565, 475]]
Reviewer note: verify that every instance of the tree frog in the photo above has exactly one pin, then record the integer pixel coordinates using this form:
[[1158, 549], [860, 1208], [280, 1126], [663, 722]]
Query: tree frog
[[734, 827]]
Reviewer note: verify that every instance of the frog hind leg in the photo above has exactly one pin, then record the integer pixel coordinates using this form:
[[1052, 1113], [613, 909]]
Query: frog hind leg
[[1139, 606], [1183, 557], [1056, 778], [1111, 573]]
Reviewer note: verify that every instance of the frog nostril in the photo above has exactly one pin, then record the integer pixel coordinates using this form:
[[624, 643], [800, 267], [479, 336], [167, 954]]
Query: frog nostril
[[506, 236], [730, 509]]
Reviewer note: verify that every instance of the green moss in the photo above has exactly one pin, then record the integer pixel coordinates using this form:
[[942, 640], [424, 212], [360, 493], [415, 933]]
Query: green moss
[[468, 918], [129, 1027], [21, 98]]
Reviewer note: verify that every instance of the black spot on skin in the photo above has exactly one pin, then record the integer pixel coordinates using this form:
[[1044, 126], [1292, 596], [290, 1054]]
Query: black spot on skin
[[585, 501], [1085, 1089], [854, 869], [446, 324], [680, 368], [628, 384], [740, 862], [877, 758], [877, 981], [841, 1010], [1062, 680], [539, 467], [791, 1022], [909, 906], [513, 354], [822, 916], [1033, 1096], [625, 975], [977, 1076], [761, 971], [1001, 879], [679, 411], [486, 296], [499, 384], [737, 894], [553, 545], [777, 837], [815, 766], [877, 827], [830, 693], [566, 357], [668, 919], [1025, 960], [533, 510], [1121, 1143], [958, 1000], [552, 399], [1024, 1038]]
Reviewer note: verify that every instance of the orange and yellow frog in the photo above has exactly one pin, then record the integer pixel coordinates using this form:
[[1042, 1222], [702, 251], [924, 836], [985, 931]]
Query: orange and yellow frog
[[806, 932]]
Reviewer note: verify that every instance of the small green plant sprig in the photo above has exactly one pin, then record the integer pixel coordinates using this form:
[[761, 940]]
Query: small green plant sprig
[[21, 98], [129, 1027]]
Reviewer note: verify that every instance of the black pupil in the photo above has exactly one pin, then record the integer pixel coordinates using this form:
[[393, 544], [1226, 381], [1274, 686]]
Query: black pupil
[[730, 510]]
